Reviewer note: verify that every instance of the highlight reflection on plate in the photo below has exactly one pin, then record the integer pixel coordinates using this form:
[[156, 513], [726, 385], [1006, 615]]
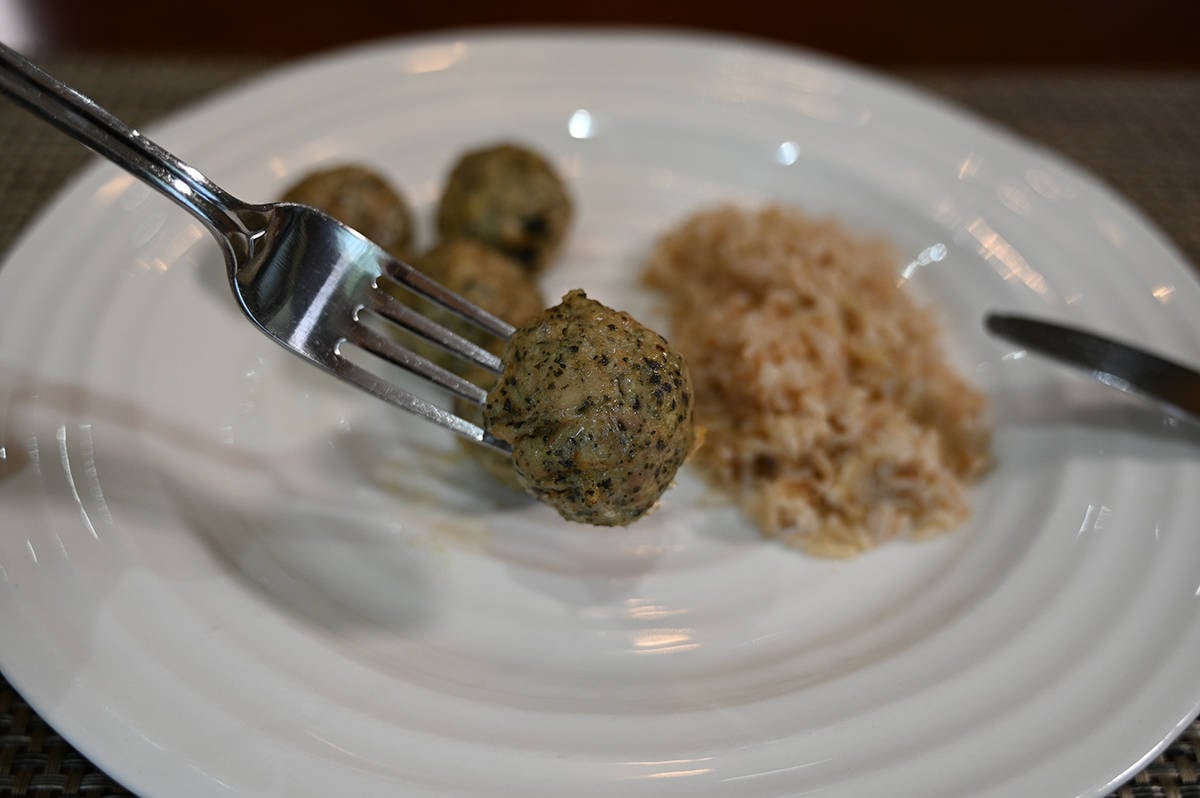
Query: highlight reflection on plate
[[207, 543]]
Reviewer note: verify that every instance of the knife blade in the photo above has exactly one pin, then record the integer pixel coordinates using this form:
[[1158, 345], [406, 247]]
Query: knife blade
[[1116, 364]]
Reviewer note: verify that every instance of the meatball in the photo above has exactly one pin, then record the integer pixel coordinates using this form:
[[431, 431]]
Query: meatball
[[485, 277], [597, 409], [362, 199], [511, 199], [500, 286]]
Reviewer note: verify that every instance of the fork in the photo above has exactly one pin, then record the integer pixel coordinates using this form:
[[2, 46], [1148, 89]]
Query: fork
[[313, 285]]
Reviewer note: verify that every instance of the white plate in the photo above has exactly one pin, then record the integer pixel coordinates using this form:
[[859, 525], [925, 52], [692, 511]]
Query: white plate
[[223, 573]]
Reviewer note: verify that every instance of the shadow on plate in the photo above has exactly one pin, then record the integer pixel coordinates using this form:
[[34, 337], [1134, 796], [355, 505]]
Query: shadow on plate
[[322, 564], [1113, 422], [443, 489], [313, 559], [407, 462]]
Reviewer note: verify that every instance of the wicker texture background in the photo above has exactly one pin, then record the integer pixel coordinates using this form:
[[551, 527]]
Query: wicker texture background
[[1138, 132]]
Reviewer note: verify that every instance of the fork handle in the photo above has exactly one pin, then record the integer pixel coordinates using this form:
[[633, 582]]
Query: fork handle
[[85, 120]]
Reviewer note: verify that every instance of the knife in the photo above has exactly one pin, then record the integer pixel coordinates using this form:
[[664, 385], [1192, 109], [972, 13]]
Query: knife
[[1116, 364]]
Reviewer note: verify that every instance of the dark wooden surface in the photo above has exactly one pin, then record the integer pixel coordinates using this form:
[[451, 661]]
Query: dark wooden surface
[[1141, 33]]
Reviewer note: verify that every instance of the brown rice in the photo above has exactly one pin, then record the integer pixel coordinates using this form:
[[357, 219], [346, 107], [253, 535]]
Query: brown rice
[[829, 410]]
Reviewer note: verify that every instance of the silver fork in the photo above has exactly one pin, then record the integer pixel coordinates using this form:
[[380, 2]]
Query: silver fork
[[313, 285]]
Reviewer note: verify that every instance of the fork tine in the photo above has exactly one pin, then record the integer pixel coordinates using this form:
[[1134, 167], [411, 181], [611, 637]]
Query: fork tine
[[419, 283], [390, 393], [370, 340], [392, 309]]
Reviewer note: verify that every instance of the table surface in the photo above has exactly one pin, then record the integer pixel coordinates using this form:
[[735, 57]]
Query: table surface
[[930, 32], [1137, 131]]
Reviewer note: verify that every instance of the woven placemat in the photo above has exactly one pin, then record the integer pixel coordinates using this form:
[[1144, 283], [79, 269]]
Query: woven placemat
[[1137, 132]]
